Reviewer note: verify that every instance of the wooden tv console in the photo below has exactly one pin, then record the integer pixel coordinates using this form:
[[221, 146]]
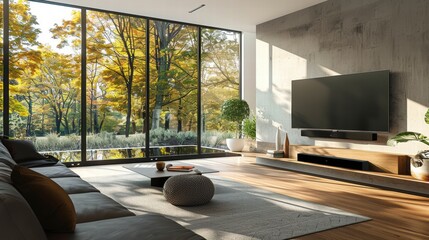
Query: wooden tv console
[[379, 162], [391, 171]]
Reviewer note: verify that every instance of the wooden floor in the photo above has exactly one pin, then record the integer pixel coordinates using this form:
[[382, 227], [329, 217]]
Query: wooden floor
[[394, 215]]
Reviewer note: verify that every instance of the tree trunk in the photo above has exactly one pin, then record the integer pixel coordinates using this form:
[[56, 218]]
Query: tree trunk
[[167, 121], [133, 127], [29, 118], [160, 88], [128, 118], [164, 34], [179, 116], [95, 119], [99, 127], [91, 109], [58, 124], [43, 116]]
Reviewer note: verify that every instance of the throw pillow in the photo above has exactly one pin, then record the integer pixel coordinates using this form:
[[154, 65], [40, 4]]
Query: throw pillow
[[5, 156], [22, 150], [51, 204]]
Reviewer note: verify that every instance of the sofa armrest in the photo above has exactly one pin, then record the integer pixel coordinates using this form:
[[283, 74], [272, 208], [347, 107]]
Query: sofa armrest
[[17, 219]]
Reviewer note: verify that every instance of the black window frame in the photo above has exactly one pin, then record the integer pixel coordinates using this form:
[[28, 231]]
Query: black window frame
[[83, 134]]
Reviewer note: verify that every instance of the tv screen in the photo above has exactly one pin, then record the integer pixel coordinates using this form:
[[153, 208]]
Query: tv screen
[[355, 102]]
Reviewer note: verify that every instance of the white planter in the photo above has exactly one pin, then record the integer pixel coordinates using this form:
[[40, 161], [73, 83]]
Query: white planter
[[235, 144], [419, 170]]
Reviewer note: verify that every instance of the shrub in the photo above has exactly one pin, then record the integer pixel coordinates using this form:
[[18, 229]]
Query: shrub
[[249, 127], [105, 140]]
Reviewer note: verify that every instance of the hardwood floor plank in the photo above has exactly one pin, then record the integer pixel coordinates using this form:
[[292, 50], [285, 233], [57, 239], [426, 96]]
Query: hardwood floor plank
[[395, 215]]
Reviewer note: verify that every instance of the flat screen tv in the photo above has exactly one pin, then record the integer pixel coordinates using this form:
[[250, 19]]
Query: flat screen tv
[[353, 102]]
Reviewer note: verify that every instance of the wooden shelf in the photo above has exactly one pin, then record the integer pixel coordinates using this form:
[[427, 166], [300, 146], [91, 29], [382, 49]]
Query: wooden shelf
[[402, 183]]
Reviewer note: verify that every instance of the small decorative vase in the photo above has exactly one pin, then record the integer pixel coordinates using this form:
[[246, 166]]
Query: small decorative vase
[[420, 166], [286, 147], [278, 140], [160, 166]]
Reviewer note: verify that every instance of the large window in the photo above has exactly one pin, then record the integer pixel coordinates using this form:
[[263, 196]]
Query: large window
[[88, 85], [44, 78], [220, 80], [116, 80], [173, 88]]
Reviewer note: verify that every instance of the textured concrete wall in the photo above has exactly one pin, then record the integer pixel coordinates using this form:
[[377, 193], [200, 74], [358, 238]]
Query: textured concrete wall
[[343, 37]]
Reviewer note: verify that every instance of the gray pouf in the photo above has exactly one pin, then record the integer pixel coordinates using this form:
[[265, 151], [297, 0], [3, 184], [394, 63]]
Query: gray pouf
[[188, 190]]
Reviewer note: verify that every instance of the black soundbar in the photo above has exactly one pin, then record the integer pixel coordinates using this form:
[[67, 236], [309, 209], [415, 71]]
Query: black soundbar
[[365, 136], [334, 161]]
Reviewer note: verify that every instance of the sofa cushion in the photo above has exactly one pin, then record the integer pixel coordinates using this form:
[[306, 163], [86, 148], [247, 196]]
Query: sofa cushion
[[5, 156], [51, 204], [17, 220], [5, 172], [146, 226], [50, 161], [55, 171], [95, 206], [22, 150], [74, 185]]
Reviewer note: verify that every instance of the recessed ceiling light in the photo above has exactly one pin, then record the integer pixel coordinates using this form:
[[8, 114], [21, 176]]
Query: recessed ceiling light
[[193, 10]]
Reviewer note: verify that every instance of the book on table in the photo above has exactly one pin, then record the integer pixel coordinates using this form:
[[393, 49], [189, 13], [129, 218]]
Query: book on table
[[182, 168]]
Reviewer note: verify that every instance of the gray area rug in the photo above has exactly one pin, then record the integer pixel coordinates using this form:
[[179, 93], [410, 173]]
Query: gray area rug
[[237, 211]]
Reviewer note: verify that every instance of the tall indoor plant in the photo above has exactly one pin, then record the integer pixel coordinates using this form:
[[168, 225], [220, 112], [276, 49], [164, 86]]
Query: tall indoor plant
[[249, 132], [420, 162], [235, 110]]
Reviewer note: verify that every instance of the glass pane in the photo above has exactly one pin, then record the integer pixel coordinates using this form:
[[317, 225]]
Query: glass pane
[[173, 88], [220, 80], [45, 77], [116, 80]]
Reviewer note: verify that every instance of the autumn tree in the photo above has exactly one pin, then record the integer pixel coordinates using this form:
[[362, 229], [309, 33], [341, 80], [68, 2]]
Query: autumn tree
[[163, 34], [59, 85], [23, 55], [123, 50], [220, 71], [184, 78]]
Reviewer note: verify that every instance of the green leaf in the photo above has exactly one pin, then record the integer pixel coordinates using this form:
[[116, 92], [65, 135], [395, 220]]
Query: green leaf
[[406, 137]]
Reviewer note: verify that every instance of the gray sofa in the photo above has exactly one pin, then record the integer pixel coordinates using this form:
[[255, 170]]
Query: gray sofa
[[98, 216]]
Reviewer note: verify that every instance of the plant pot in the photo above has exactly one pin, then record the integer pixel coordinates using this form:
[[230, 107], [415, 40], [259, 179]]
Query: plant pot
[[235, 144], [420, 168]]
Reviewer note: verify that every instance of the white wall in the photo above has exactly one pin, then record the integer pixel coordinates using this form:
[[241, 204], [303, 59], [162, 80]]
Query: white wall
[[249, 69]]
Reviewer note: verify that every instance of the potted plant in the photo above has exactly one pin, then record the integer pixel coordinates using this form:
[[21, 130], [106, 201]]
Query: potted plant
[[235, 110], [249, 127], [249, 131], [419, 163]]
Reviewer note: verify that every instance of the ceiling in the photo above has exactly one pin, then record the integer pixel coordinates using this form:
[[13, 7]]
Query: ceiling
[[241, 15]]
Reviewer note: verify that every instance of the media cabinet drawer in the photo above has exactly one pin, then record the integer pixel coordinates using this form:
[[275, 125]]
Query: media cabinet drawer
[[334, 161], [378, 161]]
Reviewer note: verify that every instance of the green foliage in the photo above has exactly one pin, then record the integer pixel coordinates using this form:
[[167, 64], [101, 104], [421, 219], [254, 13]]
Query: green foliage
[[53, 142], [215, 139], [249, 127], [235, 110], [105, 140], [410, 136], [427, 117]]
